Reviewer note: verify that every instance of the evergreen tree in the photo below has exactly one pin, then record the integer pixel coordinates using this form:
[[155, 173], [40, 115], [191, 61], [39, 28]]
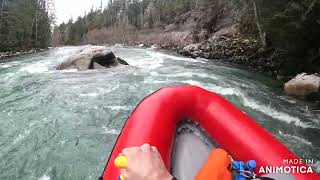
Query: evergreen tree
[[25, 24], [136, 13]]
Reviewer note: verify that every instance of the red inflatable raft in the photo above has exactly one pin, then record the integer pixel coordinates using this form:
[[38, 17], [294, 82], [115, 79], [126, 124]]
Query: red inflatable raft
[[156, 119]]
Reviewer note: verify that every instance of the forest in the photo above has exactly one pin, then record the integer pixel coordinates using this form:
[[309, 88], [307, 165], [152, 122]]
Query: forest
[[138, 14], [25, 24]]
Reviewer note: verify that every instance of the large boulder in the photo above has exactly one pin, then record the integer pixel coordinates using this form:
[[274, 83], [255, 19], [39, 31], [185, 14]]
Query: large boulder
[[192, 47], [228, 31], [191, 50], [303, 85], [92, 57]]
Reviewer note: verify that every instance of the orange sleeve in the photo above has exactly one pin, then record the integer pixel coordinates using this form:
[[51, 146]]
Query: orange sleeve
[[216, 167]]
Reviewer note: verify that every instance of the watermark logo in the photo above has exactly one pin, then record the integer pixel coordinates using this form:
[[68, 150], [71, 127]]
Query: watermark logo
[[290, 166]]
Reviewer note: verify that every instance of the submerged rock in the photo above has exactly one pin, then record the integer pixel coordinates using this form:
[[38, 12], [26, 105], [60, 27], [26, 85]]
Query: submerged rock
[[92, 57], [303, 85]]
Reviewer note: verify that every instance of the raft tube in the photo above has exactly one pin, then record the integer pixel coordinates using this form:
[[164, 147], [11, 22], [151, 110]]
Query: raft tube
[[157, 117]]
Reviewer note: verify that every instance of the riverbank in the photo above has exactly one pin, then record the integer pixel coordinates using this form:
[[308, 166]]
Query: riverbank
[[230, 47], [237, 50], [8, 54]]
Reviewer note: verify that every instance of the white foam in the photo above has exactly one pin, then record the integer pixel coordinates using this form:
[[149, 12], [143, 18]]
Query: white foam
[[69, 70], [191, 74], [250, 103], [194, 83], [153, 73], [21, 136], [211, 76], [292, 101], [297, 138], [167, 56], [268, 110], [8, 76], [113, 88], [5, 66], [154, 66], [156, 59], [224, 91], [216, 89], [89, 95], [110, 131], [44, 177], [152, 81], [35, 68], [62, 142], [152, 62], [117, 108]]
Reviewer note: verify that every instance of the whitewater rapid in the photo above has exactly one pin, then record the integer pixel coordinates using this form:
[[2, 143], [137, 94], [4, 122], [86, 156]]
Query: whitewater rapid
[[63, 124]]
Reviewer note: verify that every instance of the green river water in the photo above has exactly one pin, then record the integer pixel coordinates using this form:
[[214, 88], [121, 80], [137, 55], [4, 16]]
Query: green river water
[[57, 125]]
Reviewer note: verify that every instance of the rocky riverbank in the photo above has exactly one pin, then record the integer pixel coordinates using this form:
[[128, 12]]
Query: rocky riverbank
[[248, 52], [9, 54], [238, 50], [189, 37], [232, 49]]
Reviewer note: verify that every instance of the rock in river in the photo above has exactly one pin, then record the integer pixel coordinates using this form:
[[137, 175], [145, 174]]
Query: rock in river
[[92, 57], [303, 85]]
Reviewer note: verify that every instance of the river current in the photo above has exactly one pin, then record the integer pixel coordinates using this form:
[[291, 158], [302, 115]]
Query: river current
[[57, 125]]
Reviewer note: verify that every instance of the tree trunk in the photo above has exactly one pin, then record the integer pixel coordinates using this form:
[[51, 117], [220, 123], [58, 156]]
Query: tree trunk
[[142, 14], [311, 6], [36, 42], [1, 12], [32, 24], [262, 34]]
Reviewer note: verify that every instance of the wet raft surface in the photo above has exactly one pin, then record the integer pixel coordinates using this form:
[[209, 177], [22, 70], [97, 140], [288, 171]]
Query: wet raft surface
[[191, 150], [63, 124]]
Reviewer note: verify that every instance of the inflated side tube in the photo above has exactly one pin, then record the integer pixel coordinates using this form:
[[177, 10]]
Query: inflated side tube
[[156, 118]]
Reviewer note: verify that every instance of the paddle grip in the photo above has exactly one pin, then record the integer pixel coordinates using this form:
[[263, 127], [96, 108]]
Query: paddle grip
[[121, 162]]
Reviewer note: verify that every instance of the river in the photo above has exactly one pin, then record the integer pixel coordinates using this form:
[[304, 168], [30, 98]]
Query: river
[[57, 125]]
